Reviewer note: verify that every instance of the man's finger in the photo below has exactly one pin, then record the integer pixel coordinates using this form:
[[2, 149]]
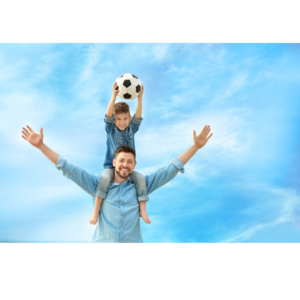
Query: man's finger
[[209, 137], [24, 138], [25, 134], [41, 131], [26, 130], [207, 128], [204, 128], [29, 128], [194, 133]]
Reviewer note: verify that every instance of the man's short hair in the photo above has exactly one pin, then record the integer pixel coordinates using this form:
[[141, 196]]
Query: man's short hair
[[126, 149], [121, 107]]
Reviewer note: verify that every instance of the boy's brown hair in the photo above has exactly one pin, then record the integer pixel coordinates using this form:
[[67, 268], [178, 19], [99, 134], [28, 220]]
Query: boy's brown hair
[[126, 149], [121, 107]]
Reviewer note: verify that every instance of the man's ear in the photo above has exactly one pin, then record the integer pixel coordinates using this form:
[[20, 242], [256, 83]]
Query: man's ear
[[130, 118], [114, 162], [134, 165]]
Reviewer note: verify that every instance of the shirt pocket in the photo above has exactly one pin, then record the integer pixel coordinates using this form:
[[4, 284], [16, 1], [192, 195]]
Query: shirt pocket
[[130, 140], [119, 141]]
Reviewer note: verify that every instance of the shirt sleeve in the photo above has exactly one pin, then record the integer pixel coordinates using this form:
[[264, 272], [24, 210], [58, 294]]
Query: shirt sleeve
[[88, 182], [163, 175], [109, 124], [135, 123]]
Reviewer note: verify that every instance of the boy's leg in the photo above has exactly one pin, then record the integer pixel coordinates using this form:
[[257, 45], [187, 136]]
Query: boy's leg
[[106, 178], [143, 212], [95, 215], [141, 191]]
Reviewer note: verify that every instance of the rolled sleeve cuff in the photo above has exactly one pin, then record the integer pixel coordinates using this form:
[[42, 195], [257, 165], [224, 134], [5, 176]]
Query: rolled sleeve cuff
[[178, 164], [134, 120], [143, 198], [60, 163], [109, 120]]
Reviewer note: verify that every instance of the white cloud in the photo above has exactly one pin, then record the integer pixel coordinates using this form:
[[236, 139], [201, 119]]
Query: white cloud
[[236, 84], [19, 110], [231, 136], [159, 51], [92, 59], [281, 204]]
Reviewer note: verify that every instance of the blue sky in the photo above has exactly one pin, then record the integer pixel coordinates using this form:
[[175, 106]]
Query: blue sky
[[243, 186]]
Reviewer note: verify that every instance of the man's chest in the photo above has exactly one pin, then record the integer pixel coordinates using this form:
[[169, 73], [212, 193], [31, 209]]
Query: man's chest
[[122, 195]]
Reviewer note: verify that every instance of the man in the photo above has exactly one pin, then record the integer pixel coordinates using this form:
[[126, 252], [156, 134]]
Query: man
[[119, 220]]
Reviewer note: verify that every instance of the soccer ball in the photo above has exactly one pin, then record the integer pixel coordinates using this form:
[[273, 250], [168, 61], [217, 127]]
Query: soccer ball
[[129, 86]]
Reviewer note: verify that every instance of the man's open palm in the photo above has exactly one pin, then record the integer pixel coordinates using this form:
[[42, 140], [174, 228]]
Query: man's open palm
[[201, 139], [33, 138]]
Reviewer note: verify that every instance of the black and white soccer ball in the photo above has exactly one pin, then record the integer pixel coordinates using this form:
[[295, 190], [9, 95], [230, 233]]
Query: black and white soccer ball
[[129, 86]]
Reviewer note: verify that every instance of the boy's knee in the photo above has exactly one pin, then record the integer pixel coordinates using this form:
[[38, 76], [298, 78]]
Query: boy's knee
[[140, 180], [105, 180]]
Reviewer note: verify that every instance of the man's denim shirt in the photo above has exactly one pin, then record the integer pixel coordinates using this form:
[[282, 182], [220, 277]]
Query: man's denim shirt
[[119, 220], [117, 138]]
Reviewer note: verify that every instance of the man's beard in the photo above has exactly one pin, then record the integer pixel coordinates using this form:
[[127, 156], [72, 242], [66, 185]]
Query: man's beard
[[123, 177]]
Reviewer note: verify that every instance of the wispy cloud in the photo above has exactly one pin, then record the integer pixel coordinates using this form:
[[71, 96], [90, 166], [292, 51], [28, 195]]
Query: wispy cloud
[[283, 205], [235, 85]]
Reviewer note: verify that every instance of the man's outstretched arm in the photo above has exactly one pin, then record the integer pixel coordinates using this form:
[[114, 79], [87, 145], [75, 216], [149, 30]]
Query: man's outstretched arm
[[164, 175], [85, 180], [36, 140]]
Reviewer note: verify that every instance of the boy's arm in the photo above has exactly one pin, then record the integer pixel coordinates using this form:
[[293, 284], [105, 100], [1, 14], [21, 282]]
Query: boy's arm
[[111, 105], [139, 108], [164, 175]]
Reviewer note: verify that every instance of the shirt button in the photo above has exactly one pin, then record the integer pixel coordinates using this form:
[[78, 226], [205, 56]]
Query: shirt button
[[121, 206], [121, 228], [121, 241], [122, 217]]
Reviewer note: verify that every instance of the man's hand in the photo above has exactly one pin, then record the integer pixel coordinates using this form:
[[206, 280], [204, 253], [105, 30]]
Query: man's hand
[[140, 97], [201, 139], [36, 140], [115, 90], [33, 138]]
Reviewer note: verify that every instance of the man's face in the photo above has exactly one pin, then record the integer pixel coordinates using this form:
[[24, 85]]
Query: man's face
[[122, 120], [124, 164]]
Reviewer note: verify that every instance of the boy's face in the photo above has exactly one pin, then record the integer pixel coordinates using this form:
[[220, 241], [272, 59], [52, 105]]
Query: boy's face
[[122, 120]]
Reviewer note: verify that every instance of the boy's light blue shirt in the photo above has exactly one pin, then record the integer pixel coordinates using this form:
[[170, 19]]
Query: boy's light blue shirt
[[119, 220], [117, 138]]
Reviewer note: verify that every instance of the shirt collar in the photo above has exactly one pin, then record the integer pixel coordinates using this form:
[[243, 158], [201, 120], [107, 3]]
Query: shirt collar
[[129, 179]]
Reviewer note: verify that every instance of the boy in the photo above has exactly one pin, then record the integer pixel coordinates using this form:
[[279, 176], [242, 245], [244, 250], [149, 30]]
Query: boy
[[120, 129]]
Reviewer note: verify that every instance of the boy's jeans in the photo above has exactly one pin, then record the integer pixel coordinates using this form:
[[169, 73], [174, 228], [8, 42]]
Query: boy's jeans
[[107, 176]]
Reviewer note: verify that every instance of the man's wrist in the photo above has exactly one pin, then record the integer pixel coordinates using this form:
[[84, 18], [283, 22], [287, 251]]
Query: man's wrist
[[196, 148], [41, 147]]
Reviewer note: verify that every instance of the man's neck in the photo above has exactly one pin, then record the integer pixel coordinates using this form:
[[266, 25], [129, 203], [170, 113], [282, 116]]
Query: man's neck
[[119, 179]]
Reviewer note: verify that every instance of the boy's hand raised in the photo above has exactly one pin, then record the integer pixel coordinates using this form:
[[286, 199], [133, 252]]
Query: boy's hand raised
[[201, 139], [140, 97], [115, 90], [33, 138]]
